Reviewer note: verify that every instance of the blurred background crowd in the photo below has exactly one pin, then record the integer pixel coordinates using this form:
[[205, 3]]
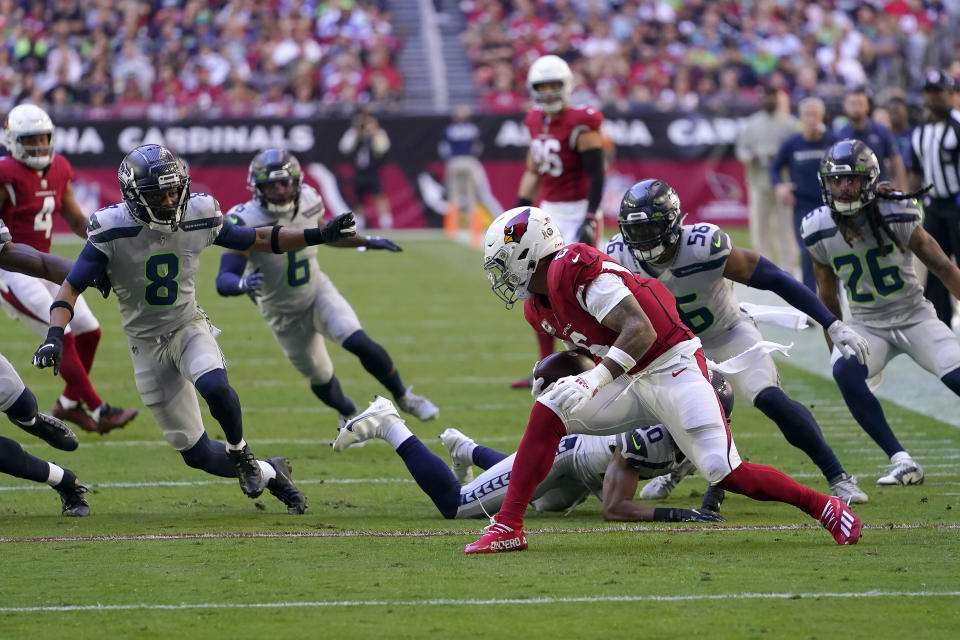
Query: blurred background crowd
[[170, 59]]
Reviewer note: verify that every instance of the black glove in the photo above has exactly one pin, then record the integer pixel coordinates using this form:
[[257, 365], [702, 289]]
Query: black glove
[[686, 515], [50, 353], [103, 285], [339, 228], [376, 242], [588, 230]]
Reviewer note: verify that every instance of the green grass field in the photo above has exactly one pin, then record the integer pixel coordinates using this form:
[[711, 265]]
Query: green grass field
[[373, 558]]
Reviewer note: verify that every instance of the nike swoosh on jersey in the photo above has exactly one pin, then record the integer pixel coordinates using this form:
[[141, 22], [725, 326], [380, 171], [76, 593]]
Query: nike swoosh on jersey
[[678, 372]]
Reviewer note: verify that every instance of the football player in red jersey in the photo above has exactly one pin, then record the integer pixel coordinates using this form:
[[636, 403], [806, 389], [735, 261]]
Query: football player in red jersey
[[650, 368], [565, 162], [36, 184]]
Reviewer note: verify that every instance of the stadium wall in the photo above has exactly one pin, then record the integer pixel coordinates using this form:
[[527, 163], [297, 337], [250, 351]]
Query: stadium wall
[[693, 152]]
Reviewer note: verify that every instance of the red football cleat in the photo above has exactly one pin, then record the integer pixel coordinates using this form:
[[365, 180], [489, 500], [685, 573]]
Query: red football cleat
[[522, 383], [840, 521], [498, 538]]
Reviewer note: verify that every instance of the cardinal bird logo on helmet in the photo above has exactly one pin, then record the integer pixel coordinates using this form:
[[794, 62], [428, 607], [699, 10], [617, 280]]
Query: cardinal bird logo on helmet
[[516, 227]]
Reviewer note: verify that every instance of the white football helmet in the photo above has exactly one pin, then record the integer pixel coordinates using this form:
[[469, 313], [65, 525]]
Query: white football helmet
[[515, 242], [550, 69], [29, 120]]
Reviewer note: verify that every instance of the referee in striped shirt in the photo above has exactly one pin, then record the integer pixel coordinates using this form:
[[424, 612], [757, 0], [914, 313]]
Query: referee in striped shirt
[[935, 151]]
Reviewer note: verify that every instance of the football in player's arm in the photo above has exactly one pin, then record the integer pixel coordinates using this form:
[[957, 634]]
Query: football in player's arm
[[631, 324]]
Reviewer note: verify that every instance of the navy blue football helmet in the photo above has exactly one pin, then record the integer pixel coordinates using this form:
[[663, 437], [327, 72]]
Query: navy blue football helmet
[[275, 178], [650, 218], [155, 187]]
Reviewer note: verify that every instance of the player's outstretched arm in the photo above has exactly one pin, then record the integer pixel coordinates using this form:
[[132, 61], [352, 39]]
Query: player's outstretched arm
[[620, 485], [368, 242], [932, 255], [279, 239], [23, 258], [752, 269]]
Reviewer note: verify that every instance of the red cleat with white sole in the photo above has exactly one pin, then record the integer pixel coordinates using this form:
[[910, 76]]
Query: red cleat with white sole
[[498, 538], [840, 521]]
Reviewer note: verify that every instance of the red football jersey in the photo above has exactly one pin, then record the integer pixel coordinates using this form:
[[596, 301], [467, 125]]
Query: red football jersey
[[32, 199], [553, 145], [571, 272]]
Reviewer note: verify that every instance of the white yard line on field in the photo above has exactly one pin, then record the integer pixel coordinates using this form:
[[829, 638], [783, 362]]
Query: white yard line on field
[[437, 533], [474, 602]]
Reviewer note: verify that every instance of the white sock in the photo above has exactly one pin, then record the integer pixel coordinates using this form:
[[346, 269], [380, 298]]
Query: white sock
[[95, 414], [28, 423], [900, 456], [55, 475], [67, 403], [238, 446], [269, 473], [396, 432]]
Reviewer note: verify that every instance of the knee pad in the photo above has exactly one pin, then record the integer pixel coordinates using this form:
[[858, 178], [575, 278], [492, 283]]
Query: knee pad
[[845, 369], [714, 468]]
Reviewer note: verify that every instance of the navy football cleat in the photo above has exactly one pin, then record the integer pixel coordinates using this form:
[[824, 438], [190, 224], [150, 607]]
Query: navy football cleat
[[51, 430], [283, 489]]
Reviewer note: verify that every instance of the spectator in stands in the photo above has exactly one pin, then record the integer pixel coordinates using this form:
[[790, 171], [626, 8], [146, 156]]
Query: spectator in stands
[[367, 143], [800, 155], [759, 141]]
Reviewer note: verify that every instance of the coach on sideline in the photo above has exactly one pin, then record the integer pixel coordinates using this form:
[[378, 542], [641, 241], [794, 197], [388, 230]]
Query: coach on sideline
[[935, 159]]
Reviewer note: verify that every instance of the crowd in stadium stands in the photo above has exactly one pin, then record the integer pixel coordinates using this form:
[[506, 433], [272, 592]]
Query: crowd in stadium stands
[[169, 59], [707, 55]]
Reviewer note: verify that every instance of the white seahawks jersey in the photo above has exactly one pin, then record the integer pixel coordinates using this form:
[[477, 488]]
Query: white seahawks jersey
[[705, 299], [883, 289], [153, 272], [289, 282], [650, 451], [591, 455]]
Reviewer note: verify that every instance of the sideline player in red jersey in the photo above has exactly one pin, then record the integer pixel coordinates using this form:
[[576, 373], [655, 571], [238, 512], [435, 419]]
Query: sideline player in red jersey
[[565, 162], [650, 368], [36, 184]]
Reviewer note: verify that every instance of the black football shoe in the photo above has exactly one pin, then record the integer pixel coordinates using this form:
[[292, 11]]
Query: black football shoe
[[71, 493], [283, 489], [53, 431], [248, 471]]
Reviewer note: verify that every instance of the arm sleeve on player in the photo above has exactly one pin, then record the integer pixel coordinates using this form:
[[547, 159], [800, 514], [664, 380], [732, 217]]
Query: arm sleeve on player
[[233, 237], [231, 274], [593, 166], [772, 278], [604, 293], [90, 265]]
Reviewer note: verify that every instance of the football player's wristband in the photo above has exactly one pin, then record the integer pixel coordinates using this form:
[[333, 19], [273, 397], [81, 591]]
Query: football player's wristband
[[523, 202], [275, 239], [622, 358], [661, 514], [63, 304]]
